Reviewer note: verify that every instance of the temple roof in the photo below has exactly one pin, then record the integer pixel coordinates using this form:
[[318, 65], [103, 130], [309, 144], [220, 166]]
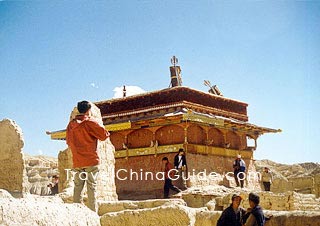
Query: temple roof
[[175, 105], [167, 99]]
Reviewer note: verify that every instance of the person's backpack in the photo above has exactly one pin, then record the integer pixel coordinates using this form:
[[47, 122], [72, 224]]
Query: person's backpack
[[242, 166]]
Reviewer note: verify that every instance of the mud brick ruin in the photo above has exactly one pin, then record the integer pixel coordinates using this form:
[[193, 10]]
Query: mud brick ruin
[[13, 175]]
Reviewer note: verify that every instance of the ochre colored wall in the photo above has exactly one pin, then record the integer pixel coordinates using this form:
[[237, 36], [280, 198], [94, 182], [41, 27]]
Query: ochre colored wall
[[171, 134], [205, 147], [233, 139], [215, 138], [140, 189], [140, 138], [196, 135], [147, 189], [117, 139]]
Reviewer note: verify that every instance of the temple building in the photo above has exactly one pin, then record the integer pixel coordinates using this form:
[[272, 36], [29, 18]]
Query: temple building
[[144, 128]]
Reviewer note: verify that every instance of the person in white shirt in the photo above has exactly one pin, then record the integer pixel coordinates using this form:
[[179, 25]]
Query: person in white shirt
[[266, 178]]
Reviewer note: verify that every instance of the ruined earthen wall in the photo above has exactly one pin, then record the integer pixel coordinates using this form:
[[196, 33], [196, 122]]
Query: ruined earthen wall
[[287, 201], [106, 181], [40, 172], [306, 185], [65, 163], [317, 185], [13, 174], [175, 212]]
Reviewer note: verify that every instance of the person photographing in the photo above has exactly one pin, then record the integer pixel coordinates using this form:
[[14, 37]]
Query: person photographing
[[83, 133]]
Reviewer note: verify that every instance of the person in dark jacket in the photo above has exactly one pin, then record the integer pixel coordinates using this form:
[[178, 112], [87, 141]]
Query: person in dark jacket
[[256, 217], [180, 163], [239, 168], [232, 215], [54, 185], [180, 159]]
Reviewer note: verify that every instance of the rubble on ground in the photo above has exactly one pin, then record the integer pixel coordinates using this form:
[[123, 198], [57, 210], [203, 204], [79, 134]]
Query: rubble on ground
[[51, 210], [43, 210]]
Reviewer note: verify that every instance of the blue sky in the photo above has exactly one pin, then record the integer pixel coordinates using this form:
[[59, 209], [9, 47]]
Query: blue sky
[[264, 53]]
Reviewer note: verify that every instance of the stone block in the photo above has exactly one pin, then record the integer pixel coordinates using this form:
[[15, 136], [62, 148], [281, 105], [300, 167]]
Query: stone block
[[293, 218], [159, 216], [116, 206], [207, 218]]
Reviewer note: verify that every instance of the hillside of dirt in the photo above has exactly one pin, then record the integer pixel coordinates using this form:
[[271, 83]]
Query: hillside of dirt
[[289, 171]]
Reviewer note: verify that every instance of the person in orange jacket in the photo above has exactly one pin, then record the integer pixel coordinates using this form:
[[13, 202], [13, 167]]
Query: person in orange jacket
[[83, 133]]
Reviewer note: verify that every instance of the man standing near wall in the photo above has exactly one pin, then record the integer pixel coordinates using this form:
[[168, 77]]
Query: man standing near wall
[[180, 163], [239, 167], [83, 133]]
